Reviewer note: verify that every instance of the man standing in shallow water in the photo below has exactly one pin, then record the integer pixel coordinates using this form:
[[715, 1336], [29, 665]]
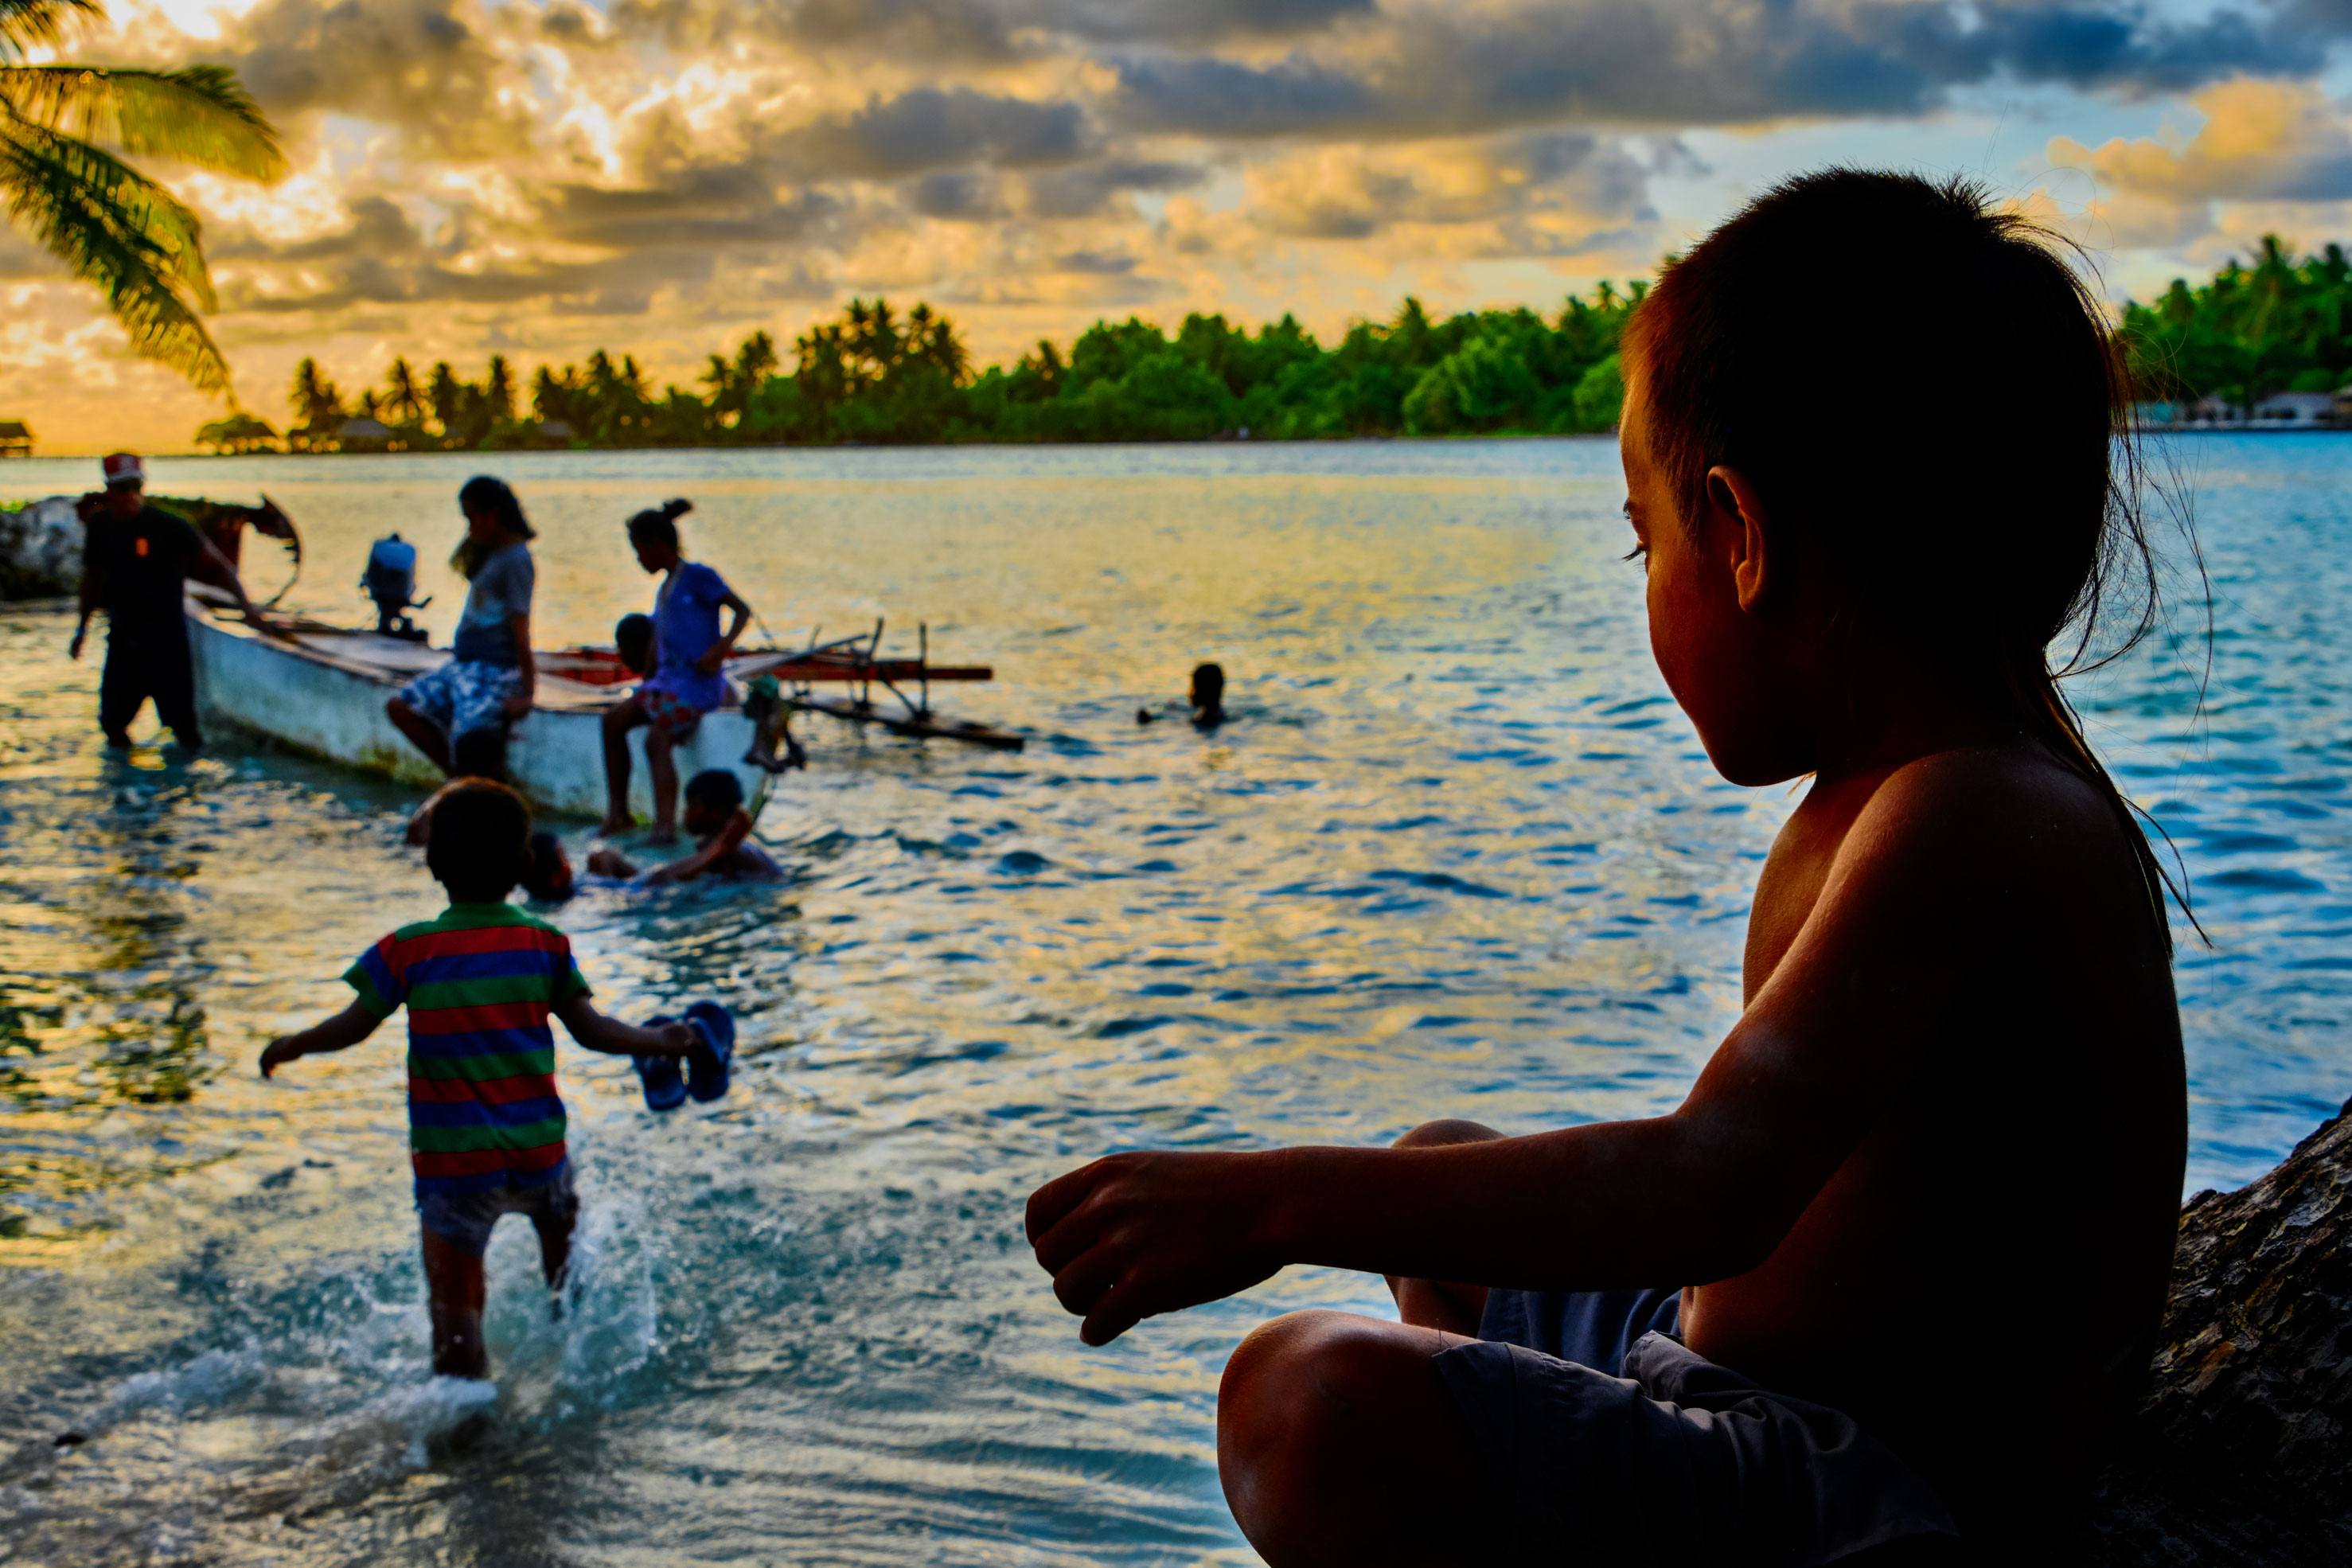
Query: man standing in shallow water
[[136, 562]]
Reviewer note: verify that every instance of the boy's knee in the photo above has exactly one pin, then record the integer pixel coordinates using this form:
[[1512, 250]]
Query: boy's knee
[[1452, 1130], [1302, 1388], [1314, 1407]]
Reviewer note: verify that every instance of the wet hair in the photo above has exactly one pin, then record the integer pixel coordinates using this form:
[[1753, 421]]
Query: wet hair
[[1929, 390], [658, 525], [481, 841], [539, 880], [1208, 685], [633, 639], [484, 493], [715, 789]]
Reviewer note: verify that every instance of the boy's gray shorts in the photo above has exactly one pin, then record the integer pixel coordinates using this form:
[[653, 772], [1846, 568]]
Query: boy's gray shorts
[[465, 1220], [1673, 1460]]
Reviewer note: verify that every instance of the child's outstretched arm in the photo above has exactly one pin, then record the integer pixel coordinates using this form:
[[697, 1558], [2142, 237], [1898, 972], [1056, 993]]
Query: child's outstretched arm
[[1945, 881], [344, 1030], [723, 842], [599, 1033]]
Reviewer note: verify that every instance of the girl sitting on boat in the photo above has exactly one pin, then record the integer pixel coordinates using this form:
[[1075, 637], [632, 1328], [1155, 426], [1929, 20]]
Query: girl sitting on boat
[[458, 715], [688, 649]]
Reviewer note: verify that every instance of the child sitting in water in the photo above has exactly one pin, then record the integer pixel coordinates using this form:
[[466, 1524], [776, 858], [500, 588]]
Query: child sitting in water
[[724, 846], [1805, 1314], [1205, 704], [486, 1126], [688, 650]]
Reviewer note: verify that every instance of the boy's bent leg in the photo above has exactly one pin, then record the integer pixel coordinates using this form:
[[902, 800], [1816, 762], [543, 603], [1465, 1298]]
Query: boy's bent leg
[[661, 768], [422, 732], [619, 719], [1439, 1303], [1338, 1442], [453, 1283]]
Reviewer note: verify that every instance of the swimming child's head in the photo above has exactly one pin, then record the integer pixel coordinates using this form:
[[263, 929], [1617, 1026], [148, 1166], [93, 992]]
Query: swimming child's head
[[1872, 402], [480, 843], [654, 534], [633, 639], [712, 796], [549, 876], [1208, 686]]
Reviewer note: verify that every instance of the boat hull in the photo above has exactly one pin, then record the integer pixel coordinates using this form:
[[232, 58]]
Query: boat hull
[[334, 709]]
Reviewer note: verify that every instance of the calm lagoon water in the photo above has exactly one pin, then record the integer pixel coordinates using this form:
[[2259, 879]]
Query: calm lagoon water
[[1457, 853]]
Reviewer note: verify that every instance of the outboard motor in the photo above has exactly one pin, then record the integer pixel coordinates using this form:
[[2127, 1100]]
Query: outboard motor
[[391, 581]]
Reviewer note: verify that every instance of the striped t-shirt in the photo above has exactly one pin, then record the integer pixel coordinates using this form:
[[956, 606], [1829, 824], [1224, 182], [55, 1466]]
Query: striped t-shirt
[[479, 984]]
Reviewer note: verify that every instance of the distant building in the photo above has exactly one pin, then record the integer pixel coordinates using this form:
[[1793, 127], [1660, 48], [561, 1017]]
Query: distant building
[[363, 435], [556, 430], [2296, 410], [2209, 411], [15, 438]]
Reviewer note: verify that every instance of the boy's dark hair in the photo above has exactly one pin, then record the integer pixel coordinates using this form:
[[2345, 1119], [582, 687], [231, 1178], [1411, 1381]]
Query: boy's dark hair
[[481, 841], [633, 639], [1208, 685], [658, 525], [540, 878], [1927, 389], [715, 789]]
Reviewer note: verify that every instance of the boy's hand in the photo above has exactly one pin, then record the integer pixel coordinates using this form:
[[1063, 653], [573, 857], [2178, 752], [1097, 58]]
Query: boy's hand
[[279, 1052], [1137, 1235], [681, 1038]]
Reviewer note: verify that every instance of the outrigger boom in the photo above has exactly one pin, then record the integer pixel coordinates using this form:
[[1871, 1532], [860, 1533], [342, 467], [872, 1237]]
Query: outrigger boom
[[857, 661]]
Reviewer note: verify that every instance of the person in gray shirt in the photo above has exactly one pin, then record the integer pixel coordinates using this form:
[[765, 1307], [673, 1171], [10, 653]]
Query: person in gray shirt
[[458, 715]]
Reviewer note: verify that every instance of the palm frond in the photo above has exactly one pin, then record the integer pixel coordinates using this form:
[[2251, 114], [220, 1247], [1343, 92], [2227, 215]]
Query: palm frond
[[198, 114], [113, 227], [26, 22]]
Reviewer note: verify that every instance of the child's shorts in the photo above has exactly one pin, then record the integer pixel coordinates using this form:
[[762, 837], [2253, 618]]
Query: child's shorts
[[465, 1220], [464, 695], [1676, 1461], [666, 716]]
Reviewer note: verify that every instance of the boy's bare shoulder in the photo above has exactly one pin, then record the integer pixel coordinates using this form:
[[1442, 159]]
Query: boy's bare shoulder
[[2012, 816]]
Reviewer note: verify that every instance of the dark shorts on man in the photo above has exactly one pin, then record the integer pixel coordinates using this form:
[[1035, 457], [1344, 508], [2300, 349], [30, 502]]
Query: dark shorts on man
[[1605, 1440], [141, 668]]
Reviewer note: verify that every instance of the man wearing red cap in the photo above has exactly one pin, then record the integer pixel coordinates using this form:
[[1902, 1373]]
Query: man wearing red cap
[[135, 564]]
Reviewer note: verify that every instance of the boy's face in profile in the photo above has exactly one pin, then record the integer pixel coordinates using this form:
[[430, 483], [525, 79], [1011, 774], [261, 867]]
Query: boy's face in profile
[[702, 819], [1720, 660]]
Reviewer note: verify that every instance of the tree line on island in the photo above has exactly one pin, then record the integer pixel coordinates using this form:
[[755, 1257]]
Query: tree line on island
[[874, 376], [2247, 333]]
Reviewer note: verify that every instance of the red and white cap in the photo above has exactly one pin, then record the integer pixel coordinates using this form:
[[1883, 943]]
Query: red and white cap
[[125, 469]]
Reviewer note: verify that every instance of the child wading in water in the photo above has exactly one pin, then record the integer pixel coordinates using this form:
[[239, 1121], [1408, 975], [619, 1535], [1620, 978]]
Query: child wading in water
[[485, 1125], [721, 829], [1889, 1271], [688, 650]]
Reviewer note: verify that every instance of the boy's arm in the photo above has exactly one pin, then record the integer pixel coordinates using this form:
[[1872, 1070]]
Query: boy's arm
[[599, 1033], [723, 842], [1930, 897], [526, 667], [344, 1030]]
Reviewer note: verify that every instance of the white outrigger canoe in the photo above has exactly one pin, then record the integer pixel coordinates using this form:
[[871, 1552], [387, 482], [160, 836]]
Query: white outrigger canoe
[[322, 690]]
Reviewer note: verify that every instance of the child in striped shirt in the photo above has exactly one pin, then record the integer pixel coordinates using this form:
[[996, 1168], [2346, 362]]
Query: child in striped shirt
[[484, 1125]]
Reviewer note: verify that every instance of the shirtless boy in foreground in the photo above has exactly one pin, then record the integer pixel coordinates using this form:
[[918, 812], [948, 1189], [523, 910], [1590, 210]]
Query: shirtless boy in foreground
[[1920, 1204]]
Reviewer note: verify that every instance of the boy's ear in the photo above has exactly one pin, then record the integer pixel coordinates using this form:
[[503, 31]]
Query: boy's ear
[[1742, 511]]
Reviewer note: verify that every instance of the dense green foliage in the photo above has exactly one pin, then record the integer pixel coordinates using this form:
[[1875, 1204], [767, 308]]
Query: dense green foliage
[[874, 377], [2281, 325]]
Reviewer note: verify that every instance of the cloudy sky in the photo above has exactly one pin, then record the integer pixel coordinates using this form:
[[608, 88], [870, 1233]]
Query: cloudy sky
[[539, 177]]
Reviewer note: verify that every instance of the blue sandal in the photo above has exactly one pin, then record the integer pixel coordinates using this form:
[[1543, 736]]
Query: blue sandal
[[664, 1085], [717, 1026]]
